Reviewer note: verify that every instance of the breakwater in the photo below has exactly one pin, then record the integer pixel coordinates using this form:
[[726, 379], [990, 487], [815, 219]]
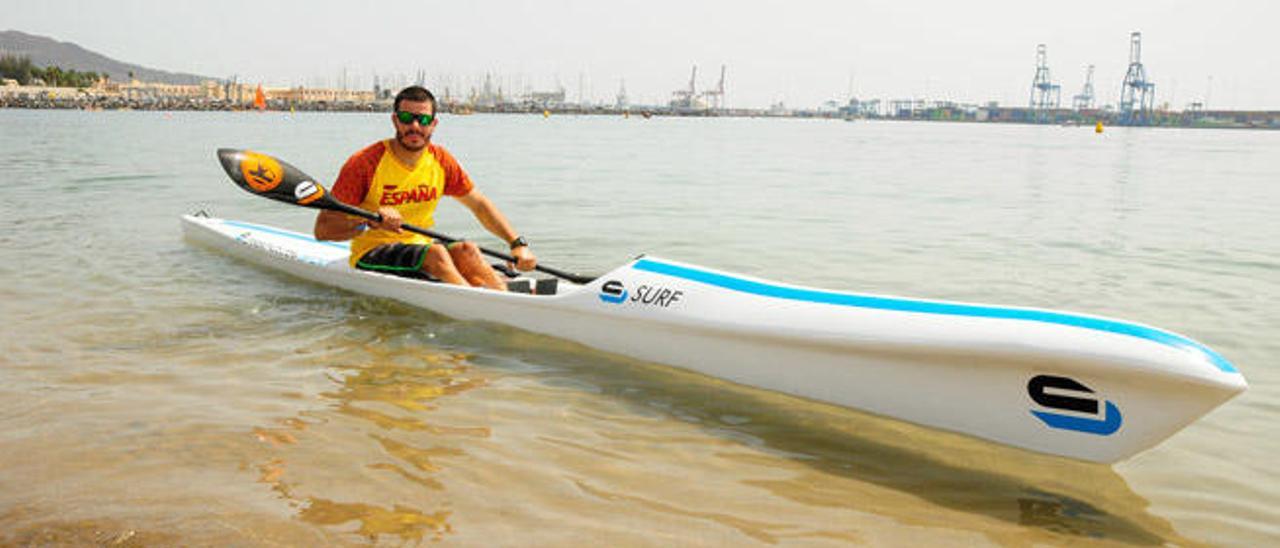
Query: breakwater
[[73, 99]]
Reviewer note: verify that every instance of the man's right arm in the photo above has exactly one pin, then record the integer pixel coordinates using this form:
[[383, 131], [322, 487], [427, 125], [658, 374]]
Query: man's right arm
[[332, 225], [350, 188]]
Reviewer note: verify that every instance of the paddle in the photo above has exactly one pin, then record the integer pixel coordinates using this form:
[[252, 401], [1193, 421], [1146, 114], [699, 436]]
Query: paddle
[[271, 178]]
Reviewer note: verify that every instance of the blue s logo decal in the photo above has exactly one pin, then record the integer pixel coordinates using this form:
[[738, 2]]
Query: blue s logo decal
[[613, 292], [1069, 395]]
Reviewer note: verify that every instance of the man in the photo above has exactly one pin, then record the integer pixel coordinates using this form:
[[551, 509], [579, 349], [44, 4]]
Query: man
[[403, 179]]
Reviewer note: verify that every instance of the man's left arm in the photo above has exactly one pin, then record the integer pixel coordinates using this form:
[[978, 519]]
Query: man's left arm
[[496, 223]]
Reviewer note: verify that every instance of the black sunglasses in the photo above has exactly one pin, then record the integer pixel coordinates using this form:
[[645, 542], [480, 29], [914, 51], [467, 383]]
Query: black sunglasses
[[407, 118]]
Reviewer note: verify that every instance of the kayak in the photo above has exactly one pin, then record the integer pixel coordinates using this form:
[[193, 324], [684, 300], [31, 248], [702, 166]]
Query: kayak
[[1074, 385]]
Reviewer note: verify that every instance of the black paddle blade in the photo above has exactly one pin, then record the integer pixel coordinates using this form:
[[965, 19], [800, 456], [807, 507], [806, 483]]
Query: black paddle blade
[[268, 177]]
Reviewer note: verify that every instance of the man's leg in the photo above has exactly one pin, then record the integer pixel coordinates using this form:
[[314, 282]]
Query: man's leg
[[440, 264], [466, 256]]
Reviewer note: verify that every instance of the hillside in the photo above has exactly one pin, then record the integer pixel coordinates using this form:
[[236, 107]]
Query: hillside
[[45, 52]]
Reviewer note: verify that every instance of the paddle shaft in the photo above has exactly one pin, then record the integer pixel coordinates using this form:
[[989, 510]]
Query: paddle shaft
[[352, 210]]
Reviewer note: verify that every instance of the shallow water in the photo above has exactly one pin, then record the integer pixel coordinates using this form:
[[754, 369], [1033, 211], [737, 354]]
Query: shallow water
[[155, 393]]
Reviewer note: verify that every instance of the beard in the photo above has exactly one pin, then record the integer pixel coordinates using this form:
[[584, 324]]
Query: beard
[[402, 138]]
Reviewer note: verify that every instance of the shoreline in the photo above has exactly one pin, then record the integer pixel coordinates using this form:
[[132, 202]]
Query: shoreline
[[1266, 120]]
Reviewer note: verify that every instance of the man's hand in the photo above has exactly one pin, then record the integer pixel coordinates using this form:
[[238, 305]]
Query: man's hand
[[525, 260], [391, 219]]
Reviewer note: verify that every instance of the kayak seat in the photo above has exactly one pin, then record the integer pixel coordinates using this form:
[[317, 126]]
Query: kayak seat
[[547, 286]]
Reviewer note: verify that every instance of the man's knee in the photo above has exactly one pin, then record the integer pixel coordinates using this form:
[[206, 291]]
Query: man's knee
[[467, 250], [437, 255]]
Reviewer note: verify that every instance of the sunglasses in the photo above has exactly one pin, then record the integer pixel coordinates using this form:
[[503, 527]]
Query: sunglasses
[[407, 118]]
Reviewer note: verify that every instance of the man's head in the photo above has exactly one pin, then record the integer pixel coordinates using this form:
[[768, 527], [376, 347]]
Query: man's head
[[411, 106]]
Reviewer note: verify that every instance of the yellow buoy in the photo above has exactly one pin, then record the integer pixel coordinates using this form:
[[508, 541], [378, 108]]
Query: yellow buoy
[[1098, 128], [546, 114]]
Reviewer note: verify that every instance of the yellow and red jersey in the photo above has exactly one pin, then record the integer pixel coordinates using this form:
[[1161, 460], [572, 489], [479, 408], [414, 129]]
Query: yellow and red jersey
[[376, 177]]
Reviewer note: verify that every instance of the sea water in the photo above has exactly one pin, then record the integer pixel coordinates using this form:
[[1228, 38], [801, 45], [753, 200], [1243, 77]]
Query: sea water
[[155, 392]]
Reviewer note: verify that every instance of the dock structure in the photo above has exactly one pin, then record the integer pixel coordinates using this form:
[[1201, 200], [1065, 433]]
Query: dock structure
[[1045, 95], [715, 97], [493, 94], [1138, 94], [690, 101], [1084, 100], [687, 99]]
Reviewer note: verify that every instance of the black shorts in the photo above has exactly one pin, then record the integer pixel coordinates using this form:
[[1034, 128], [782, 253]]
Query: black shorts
[[397, 259]]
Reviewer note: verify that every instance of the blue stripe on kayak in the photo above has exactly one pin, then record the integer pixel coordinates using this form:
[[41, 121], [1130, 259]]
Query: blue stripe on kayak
[[929, 307], [285, 233]]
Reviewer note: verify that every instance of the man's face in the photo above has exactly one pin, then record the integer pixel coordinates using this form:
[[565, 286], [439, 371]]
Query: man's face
[[412, 136]]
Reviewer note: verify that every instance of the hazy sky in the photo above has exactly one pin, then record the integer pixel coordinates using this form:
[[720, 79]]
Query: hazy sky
[[801, 52]]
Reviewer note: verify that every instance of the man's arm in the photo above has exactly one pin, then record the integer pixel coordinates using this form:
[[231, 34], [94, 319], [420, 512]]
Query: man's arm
[[488, 215], [350, 188], [332, 225], [496, 223]]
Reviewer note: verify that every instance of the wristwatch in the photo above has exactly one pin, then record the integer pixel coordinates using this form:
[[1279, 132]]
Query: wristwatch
[[519, 242]]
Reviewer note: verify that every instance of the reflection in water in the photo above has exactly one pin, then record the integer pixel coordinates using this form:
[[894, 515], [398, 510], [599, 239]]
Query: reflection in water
[[1043, 494], [420, 458], [615, 414], [406, 523], [389, 422], [846, 460], [385, 380], [1061, 515], [425, 482], [408, 388]]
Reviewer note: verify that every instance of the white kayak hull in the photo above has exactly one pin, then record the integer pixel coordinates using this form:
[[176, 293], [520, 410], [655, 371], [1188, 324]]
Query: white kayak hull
[[1079, 386]]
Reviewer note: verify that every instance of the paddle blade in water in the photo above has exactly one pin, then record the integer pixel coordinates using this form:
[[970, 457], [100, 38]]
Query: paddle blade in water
[[271, 178]]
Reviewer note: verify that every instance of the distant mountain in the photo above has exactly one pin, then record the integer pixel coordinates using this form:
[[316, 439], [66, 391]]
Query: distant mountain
[[45, 52]]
